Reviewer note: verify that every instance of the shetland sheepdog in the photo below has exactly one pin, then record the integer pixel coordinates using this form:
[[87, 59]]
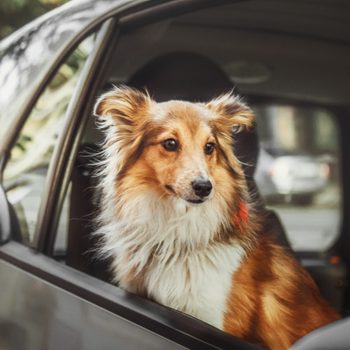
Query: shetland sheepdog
[[178, 223]]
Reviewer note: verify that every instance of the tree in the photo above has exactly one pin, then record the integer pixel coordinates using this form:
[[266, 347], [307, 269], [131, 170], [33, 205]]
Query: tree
[[15, 13]]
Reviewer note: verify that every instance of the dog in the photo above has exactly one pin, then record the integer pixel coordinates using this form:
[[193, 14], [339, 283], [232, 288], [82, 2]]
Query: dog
[[177, 221]]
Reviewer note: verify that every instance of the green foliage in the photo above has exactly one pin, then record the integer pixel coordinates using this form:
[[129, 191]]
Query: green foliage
[[15, 13]]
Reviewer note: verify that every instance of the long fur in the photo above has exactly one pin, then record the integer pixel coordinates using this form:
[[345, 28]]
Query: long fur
[[209, 260]]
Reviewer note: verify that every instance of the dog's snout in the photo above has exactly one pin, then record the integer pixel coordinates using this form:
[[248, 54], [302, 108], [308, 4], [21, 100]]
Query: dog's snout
[[202, 187]]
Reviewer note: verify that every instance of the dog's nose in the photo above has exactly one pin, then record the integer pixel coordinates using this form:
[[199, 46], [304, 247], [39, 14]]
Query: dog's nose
[[202, 187]]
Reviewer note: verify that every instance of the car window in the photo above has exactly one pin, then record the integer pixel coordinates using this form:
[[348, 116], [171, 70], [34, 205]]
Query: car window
[[298, 172], [26, 56], [26, 170]]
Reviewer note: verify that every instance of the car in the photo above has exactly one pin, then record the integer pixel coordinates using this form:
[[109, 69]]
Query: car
[[296, 178], [289, 60]]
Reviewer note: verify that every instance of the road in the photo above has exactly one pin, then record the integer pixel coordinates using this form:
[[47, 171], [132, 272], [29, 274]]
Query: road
[[310, 228]]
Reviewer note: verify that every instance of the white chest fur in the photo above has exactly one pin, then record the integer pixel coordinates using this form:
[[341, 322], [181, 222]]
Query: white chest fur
[[197, 284], [171, 245]]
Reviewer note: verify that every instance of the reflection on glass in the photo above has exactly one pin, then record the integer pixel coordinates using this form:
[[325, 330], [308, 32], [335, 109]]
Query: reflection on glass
[[27, 55], [26, 170]]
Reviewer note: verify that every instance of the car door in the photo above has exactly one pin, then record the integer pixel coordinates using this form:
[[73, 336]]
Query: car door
[[45, 304]]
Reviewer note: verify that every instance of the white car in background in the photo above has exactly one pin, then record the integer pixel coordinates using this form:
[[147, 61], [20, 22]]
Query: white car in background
[[292, 178]]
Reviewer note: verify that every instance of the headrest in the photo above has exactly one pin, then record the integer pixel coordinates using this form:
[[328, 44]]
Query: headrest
[[182, 76], [196, 78]]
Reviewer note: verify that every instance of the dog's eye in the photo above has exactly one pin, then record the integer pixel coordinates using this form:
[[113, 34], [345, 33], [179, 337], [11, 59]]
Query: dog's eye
[[170, 145], [209, 148], [237, 128]]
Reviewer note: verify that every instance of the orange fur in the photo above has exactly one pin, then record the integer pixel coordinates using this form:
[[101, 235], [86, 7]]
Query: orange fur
[[272, 301]]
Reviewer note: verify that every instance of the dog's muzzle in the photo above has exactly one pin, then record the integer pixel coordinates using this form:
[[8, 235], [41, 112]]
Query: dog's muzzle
[[202, 187]]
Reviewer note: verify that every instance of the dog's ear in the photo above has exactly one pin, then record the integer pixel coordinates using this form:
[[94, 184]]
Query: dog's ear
[[124, 112], [231, 115], [123, 107]]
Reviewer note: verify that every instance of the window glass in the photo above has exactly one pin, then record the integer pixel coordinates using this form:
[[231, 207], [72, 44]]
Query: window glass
[[26, 171], [298, 172]]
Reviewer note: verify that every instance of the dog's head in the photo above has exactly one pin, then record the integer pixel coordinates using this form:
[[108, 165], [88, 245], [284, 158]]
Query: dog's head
[[177, 149]]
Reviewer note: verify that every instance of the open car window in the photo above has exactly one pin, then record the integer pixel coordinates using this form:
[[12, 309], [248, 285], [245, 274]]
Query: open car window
[[298, 172]]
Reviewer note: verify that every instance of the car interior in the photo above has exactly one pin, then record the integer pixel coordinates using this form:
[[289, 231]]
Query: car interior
[[201, 55], [287, 61]]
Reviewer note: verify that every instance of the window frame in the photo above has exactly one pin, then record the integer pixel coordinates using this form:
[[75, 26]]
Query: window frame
[[71, 117], [65, 151]]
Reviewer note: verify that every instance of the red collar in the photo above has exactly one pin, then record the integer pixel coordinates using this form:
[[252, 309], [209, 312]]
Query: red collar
[[241, 215]]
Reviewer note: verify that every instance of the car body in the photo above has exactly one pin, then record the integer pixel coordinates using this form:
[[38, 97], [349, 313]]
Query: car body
[[291, 177], [48, 299]]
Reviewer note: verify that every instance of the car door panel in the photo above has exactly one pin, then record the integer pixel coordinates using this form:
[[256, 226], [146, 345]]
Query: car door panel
[[37, 292], [48, 317]]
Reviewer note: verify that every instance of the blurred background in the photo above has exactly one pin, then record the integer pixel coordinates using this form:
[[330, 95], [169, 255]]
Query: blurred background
[[16, 13]]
